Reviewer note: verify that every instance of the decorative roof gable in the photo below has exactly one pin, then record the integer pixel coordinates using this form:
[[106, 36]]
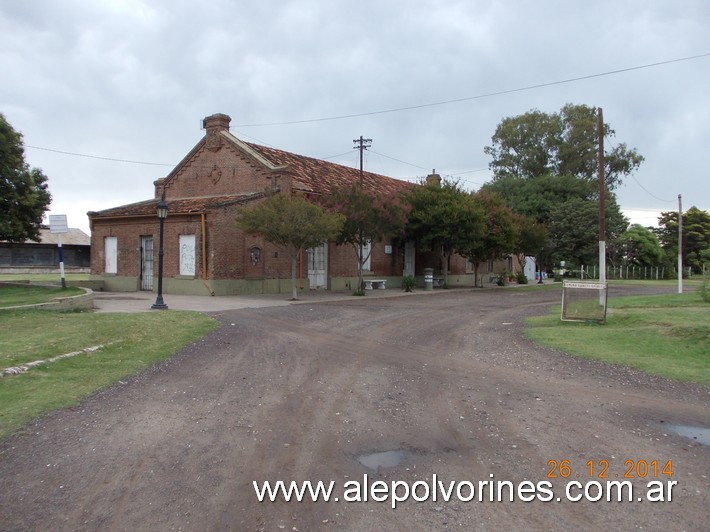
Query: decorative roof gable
[[205, 171]]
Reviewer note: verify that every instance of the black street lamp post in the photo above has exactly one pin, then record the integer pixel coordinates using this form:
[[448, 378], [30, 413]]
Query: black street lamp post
[[162, 214]]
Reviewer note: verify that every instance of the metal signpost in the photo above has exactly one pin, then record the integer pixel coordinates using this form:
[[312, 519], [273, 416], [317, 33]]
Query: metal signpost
[[58, 225]]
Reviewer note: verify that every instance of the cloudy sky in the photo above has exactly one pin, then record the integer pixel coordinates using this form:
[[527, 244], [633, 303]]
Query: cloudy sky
[[121, 86]]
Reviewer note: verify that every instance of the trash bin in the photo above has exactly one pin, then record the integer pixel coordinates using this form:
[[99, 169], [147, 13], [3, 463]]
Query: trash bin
[[428, 278]]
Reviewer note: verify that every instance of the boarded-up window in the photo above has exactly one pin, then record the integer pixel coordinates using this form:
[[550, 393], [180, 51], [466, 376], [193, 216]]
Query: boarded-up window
[[187, 254], [111, 254]]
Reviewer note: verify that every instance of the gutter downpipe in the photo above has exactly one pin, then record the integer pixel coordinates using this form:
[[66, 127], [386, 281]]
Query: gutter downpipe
[[204, 257]]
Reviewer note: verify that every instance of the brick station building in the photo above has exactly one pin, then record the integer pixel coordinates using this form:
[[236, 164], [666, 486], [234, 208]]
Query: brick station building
[[205, 251]]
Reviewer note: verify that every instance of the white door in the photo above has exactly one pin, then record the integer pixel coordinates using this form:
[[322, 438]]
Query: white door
[[318, 266], [187, 255], [111, 254], [409, 258]]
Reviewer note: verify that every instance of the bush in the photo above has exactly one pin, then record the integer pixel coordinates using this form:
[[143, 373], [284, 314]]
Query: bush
[[408, 283], [500, 281], [521, 278]]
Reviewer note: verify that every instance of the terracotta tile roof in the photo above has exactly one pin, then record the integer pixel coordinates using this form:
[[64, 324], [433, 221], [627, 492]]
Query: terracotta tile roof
[[316, 175], [175, 206], [308, 174]]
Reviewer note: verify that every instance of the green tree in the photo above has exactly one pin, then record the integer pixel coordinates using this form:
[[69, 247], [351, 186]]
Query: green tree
[[696, 236], [291, 223], [574, 230], [565, 143], [369, 218], [567, 208], [536, 197], [639, 246], [24, 197], [500, 231], [531, 239], [444, 219]]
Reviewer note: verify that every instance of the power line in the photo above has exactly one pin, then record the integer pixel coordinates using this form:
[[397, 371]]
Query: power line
[[649, 192], [334, 156], [613, 146], [97, 156], [427, 169], [399, 160], [479, 96], [413, 107]]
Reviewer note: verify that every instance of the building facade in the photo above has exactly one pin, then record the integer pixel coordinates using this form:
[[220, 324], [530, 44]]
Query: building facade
[[205, 251]]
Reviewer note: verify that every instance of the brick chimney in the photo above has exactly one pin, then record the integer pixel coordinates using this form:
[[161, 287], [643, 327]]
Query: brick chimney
[[214, 125], [433, 179]]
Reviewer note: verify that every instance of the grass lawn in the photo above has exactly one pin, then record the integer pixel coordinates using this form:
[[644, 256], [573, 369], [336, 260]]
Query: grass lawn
[[666, 335], [132, 343], [33, 294]]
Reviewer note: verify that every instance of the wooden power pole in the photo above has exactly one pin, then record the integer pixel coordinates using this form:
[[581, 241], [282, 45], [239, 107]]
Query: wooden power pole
[[361, 144], [602, 190]]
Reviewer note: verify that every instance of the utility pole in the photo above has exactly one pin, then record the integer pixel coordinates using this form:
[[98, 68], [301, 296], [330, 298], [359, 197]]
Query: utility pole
[[602, 190], [680, 246], [361, 144]]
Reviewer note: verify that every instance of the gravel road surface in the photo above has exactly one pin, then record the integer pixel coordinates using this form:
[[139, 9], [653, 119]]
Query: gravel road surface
[[442, 384]]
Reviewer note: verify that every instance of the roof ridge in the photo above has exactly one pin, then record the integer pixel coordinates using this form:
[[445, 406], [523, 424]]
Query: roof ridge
[[256, 146], [246, 146]]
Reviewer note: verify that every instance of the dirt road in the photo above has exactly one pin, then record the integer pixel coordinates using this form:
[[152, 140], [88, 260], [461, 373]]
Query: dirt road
[[303, 392]]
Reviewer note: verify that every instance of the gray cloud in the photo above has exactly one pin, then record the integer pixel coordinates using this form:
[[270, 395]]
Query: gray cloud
[[132, 79]]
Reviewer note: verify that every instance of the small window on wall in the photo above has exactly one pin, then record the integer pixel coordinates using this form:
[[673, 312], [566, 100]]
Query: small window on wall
[[490, 265], [187, 255], [111, 254]]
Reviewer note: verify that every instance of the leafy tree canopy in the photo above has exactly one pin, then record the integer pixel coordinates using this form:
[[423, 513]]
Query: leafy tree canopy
[[640, 247], [565, 143], [574, 230], [536, 197], [531, 238], [369, 217], [444, 219], [24, 197], [500, 233], [696, 236], [291, 223]]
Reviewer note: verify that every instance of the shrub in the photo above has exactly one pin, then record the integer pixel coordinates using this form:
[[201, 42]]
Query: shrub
[[408, 283], [521, 278]]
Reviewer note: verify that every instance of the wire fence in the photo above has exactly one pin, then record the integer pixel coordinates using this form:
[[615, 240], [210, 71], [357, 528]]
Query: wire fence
[[629, 271]]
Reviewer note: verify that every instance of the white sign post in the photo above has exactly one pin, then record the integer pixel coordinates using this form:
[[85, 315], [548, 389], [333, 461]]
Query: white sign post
[[58, 225]]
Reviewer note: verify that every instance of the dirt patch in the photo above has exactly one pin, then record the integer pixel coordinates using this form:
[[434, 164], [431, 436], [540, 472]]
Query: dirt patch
[[301, 392]]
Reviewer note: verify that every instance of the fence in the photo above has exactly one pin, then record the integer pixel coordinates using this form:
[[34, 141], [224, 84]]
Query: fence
[[631, 272]]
